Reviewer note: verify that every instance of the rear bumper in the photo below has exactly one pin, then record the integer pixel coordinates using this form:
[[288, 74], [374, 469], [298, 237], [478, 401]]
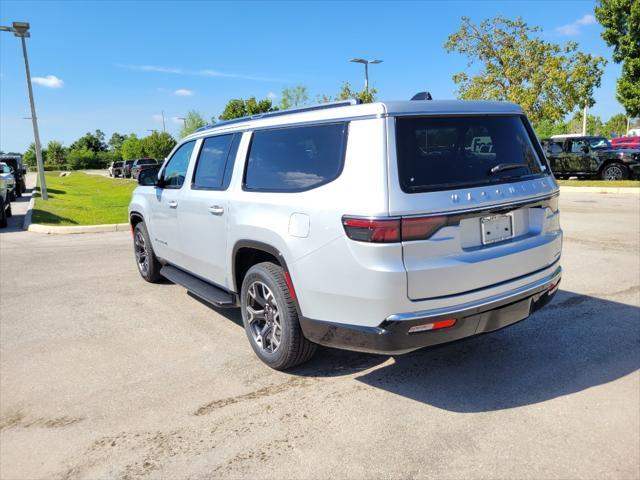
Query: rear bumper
[[392, 336]]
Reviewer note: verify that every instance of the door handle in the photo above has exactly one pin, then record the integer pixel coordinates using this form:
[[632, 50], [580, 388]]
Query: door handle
[[172, 204], [216, 210]]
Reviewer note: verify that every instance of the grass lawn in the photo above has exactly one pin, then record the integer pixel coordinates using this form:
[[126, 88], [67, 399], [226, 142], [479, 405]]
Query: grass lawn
[[81, 199], [600, 183]]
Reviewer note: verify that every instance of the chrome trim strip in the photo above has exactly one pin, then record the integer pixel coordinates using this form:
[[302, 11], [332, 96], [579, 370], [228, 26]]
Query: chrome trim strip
[[523, 291]]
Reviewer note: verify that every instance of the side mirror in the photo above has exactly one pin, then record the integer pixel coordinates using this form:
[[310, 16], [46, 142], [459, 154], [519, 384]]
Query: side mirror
[[148, 177]]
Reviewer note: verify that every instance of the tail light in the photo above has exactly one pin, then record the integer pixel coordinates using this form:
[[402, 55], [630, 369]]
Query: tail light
[[392, 230]]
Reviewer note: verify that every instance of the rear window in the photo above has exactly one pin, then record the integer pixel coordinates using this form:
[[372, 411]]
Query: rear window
[[295, 159], [146, 161], [437, 153]]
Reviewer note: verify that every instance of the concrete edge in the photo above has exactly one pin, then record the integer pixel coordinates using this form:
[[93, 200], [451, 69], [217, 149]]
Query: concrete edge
[[631, 190], [64, 230], [27, 216]]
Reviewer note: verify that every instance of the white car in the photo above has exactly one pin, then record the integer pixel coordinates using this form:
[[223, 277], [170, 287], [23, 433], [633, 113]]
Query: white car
[[7, 175], [375, 227]]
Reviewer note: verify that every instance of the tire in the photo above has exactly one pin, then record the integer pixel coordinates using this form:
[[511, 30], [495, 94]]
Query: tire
[[9, 211], [12, 195], [615, 171], [146, 260], [3, 215], [18, 190], [265, 282]]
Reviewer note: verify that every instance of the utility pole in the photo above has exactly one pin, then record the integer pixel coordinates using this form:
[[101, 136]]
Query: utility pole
[[164, 128], [366, 69], [21, 30], [584, 121]]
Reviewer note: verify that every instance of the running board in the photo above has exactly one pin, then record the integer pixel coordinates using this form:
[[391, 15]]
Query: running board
[[206, 291]]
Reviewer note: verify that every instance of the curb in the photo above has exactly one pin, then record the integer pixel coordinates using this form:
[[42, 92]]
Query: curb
[[571, 189], [27, 216], [65, 230]]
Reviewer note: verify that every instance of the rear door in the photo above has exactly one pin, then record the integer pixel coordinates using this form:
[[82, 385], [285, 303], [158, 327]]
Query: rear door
[[476, 201], [204, 208]]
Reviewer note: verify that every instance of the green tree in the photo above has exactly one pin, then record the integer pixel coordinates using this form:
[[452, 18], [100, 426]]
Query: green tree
[[616, 125], [546, 80], [594, 124], [621, 22], [132, 148], [192, 121], [90, 141], [115, 143], [294, 97], [29, 157], [158, 145], [56, 154], [347, 93], [238, 108], [546, 128], [81, 158]]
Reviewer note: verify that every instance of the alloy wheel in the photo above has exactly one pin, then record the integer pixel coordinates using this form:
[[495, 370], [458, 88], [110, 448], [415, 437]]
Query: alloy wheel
[[142, 256], [263, 317], [613, 172]]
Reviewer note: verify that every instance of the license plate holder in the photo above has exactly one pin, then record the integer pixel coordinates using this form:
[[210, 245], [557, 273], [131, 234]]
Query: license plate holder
[[496, 228]]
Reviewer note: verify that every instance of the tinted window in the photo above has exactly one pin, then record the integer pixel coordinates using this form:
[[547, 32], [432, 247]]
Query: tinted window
[[295, 158], [176, 169], [599, 142], [448, 152], [6, 169], [117, 164], [553, 148], [211, 162], [577, 146]]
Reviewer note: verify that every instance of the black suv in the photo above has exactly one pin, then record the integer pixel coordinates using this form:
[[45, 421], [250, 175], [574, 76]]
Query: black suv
[[590, 156], [140, 164], [19, 172]]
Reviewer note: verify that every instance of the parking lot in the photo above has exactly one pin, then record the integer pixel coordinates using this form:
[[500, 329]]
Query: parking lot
[[105, 376]]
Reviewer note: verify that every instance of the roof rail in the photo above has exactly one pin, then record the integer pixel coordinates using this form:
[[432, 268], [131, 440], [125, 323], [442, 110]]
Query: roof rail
[[321, 106]]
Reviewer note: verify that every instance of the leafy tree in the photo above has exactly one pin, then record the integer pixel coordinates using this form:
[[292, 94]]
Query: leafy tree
[[238, 108], [294, 97], [158, 145], [545, 128], [115, 143], [80, 158], [323, 98], [132, 148], [547, 80], [616, 125], [347, 93], [621, 22], [192, 122], [594, 124], [56, 154], [91, 141], [29, 157]]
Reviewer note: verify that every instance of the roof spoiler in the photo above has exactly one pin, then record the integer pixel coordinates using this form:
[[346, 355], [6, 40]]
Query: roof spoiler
[[422, 96]]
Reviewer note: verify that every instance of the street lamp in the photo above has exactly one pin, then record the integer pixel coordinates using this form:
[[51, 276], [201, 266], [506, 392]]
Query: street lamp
[[366, 69], [21, 30], [184, 121]]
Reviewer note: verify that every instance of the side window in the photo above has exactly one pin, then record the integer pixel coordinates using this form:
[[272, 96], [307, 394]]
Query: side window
[[295, 158], [211, 162], [577, 146], [176, 169]]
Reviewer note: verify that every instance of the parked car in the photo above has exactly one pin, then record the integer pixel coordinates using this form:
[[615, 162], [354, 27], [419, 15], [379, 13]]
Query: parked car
[[6, 173], [589, 157], [626, 142], [115, 169], [19, 172], [382, 227], [140, 164], [5, 202], [126, 168]]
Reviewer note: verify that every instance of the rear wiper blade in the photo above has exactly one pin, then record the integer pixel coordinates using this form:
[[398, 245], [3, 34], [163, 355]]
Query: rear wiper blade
[[501, 167]]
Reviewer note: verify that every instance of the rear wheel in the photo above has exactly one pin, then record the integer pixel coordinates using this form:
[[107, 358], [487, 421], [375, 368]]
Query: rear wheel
[[9, 211], [148, 264], [18, 190], [3, 214], [271, 320], [615, 171]]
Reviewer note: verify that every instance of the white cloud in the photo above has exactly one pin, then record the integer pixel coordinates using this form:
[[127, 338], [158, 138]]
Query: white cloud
[[200, 73], [573, 29], [183, 92], [157, 118], [272, 95], [50, 81]]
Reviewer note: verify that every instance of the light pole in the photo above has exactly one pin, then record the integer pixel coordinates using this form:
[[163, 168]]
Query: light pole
[[184, 121], [366, 69], [21, 30]]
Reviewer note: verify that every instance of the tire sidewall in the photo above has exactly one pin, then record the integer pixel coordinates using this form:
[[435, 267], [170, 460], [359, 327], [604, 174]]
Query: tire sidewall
[[153, 272], [278, 358], [623, 168]]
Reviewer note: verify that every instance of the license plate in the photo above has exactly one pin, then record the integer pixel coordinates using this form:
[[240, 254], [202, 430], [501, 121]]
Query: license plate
[[496, 228]]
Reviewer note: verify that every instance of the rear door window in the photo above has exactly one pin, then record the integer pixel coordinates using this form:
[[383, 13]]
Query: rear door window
[[437, 153], [212, 160], [294, 159]]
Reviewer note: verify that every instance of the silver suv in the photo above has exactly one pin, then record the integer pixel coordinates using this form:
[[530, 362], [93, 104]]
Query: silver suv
[[382, 227]]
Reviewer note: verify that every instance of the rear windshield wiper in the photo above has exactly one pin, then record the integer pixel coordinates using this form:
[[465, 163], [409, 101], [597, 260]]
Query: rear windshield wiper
[[501, 167]]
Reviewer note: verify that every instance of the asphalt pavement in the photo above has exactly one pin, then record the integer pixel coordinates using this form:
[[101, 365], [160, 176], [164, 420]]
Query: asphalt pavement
[[105, 376]]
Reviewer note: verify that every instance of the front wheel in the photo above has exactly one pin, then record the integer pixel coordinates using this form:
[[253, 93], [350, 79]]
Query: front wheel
[[148, 264], [3, 214], [615, 171], [271, 320]]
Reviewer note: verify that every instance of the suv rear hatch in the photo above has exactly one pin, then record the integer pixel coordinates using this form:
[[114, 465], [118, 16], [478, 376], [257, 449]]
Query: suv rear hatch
[[477, 202]]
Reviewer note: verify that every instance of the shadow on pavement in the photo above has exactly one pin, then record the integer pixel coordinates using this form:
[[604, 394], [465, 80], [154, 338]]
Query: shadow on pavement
[[16, 221], [573, 344]]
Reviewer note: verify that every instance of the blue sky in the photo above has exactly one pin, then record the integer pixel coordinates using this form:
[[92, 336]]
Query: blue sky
[[115, 65]]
